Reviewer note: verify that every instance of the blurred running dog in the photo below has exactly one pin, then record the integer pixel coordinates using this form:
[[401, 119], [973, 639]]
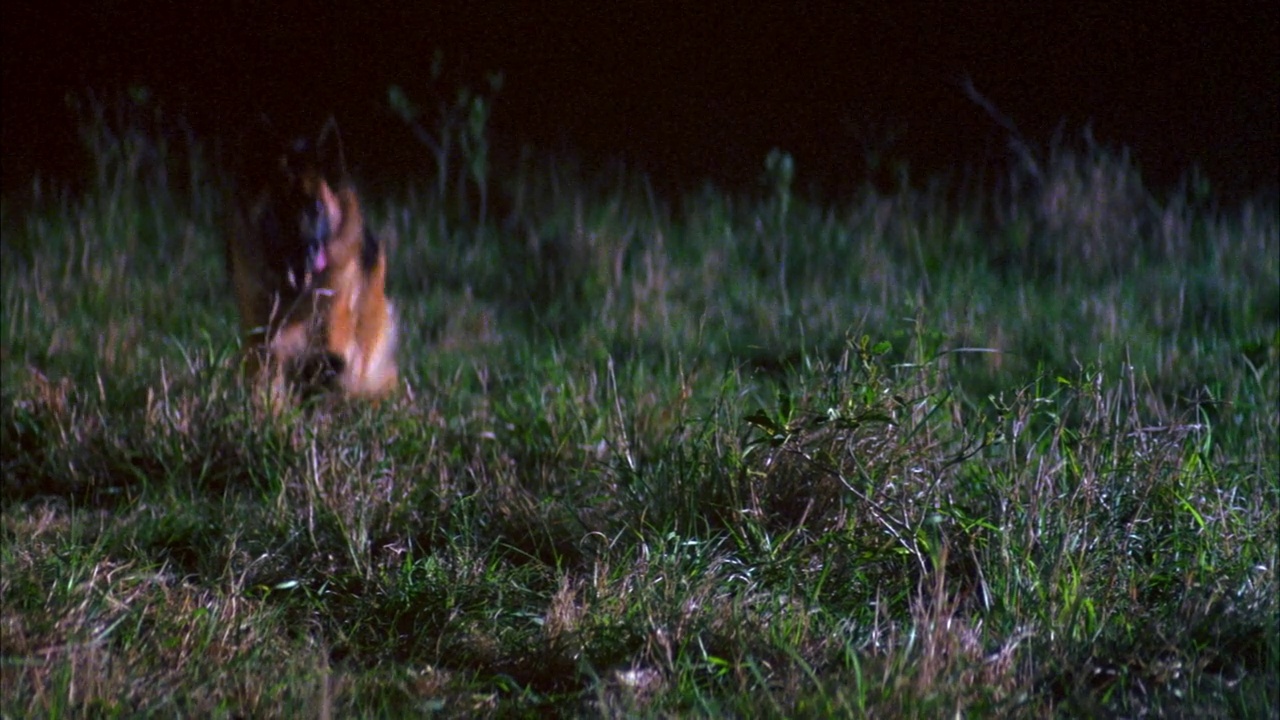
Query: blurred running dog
[[310, 279]]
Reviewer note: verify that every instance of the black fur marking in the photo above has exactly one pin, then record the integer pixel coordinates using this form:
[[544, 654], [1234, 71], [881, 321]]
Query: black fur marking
[[318, 370], [289, 255], [305, 155], [369, 251], [294, 228]]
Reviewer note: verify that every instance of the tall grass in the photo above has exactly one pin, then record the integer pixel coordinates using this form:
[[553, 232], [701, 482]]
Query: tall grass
[[1000, 452]]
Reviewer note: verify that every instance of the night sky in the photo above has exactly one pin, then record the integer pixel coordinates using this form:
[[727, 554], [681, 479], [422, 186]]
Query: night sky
[[687, 91]]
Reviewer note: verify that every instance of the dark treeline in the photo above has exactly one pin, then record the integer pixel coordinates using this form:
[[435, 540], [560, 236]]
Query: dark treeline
[[696, 94]]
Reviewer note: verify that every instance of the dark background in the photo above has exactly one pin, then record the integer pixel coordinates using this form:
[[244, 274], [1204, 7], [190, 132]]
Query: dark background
[[686, 91]]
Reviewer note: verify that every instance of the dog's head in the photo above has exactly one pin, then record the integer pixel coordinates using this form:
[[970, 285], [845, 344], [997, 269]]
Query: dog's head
[[303, 212]]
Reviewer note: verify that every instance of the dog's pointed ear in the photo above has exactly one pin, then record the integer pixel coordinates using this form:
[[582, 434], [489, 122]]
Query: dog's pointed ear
[[330, 155]]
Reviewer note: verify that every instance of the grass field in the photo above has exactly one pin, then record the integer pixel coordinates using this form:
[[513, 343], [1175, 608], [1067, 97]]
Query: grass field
[[934, 452]]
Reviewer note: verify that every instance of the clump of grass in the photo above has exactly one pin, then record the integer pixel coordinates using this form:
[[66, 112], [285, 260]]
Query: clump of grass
[[900, 456]]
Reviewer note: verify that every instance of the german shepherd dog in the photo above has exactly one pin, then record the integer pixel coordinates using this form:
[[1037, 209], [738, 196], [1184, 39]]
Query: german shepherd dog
[[310, 280]]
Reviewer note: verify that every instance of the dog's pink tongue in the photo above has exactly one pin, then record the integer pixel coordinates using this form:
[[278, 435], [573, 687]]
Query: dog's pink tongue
[[320, 261]]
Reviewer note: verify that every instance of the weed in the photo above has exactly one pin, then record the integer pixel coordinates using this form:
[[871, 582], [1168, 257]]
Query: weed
[[900, 456]]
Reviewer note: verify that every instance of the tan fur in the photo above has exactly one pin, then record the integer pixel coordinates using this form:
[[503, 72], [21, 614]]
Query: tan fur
[[341, 312], [360, 325]]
